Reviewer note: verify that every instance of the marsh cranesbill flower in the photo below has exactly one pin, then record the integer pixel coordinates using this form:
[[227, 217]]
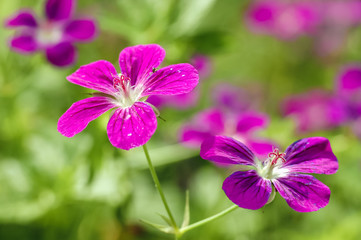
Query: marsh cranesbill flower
[[230, 98], [252, 189], [55, 34], [315, 110], [287, 20], [242, 126], [348, 88], [134, 121]]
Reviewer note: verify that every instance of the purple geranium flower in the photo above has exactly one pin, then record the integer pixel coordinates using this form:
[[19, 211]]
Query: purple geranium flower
[[252, 189], [315, 110], [54, 35], [242, 126], [133, 121]]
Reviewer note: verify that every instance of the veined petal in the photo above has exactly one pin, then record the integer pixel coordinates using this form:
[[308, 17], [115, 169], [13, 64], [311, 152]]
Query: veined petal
[[226, 150], [77, 117], [132, 127], [247, 189], [57, 10], [80, 30], [311, 155], [62, 54], [250, 121], [24, 44], [138, 62], [23, 18], [171, 80], [303, 193], [97, 75]]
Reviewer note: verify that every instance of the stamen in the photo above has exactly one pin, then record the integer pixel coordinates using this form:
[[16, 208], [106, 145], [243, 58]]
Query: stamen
[[276, 155], [121, 82]]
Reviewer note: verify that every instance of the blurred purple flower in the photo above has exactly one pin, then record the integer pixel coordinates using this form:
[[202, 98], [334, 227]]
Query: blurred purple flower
[[134, 121], [252, 189], [348, 88], [230, 98], [286, 20], [242, 126], [54, 35], [315, 110], [183, 101]]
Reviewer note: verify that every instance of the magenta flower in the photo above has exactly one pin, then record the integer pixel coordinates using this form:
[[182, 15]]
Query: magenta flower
[[54, 35], [134, 121], [348, 88], [242, 126], [252, 189], [284, 19], [315, 110]]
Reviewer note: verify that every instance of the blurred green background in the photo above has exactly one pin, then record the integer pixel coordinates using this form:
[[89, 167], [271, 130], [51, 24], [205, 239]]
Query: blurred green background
[[53, 188]]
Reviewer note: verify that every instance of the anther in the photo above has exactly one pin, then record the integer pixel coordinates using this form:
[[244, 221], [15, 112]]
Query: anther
[[276, 155]]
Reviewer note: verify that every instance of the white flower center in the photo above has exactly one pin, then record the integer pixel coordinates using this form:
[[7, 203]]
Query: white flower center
[[49, 34], [127, 94], [272, 168]]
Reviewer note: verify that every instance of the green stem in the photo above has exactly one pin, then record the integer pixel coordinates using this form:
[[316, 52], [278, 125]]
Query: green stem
[[157, 184], [207, 220]]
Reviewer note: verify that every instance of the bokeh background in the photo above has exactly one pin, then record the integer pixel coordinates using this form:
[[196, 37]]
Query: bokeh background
[[53, 188]]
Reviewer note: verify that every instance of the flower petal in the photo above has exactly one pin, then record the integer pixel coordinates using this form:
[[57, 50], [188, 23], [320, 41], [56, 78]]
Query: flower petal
[[171, 80], [138, 62], [57, 10], [247, 189], [132, 127], [250, 121], [77, 117], [23, 18], [81, 30], [349, 79], [24, 44], [96, 75], [261, 147], [311, 155], [303, 193], [226, 150], [62, 54], [205, 124]]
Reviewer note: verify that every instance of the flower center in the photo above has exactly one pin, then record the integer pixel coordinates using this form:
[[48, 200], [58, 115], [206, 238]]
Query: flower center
[[49, 34], [271, 168], [127, 95]]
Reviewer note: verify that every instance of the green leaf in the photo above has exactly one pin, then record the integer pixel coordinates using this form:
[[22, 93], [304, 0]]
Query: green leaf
[[166, 219], [161, 228]]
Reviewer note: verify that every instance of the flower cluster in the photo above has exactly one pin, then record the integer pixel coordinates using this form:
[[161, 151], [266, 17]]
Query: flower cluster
[[320, 110], [54, 35], [326, 21]]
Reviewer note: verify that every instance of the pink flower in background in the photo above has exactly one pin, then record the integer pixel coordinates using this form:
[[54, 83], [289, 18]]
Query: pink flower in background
[[284, 19], [184, 101], [327, 22], [348, 88], [134, 121], [54, 35], [315, 110], [230, 98], [252, 189], [242, 126]]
